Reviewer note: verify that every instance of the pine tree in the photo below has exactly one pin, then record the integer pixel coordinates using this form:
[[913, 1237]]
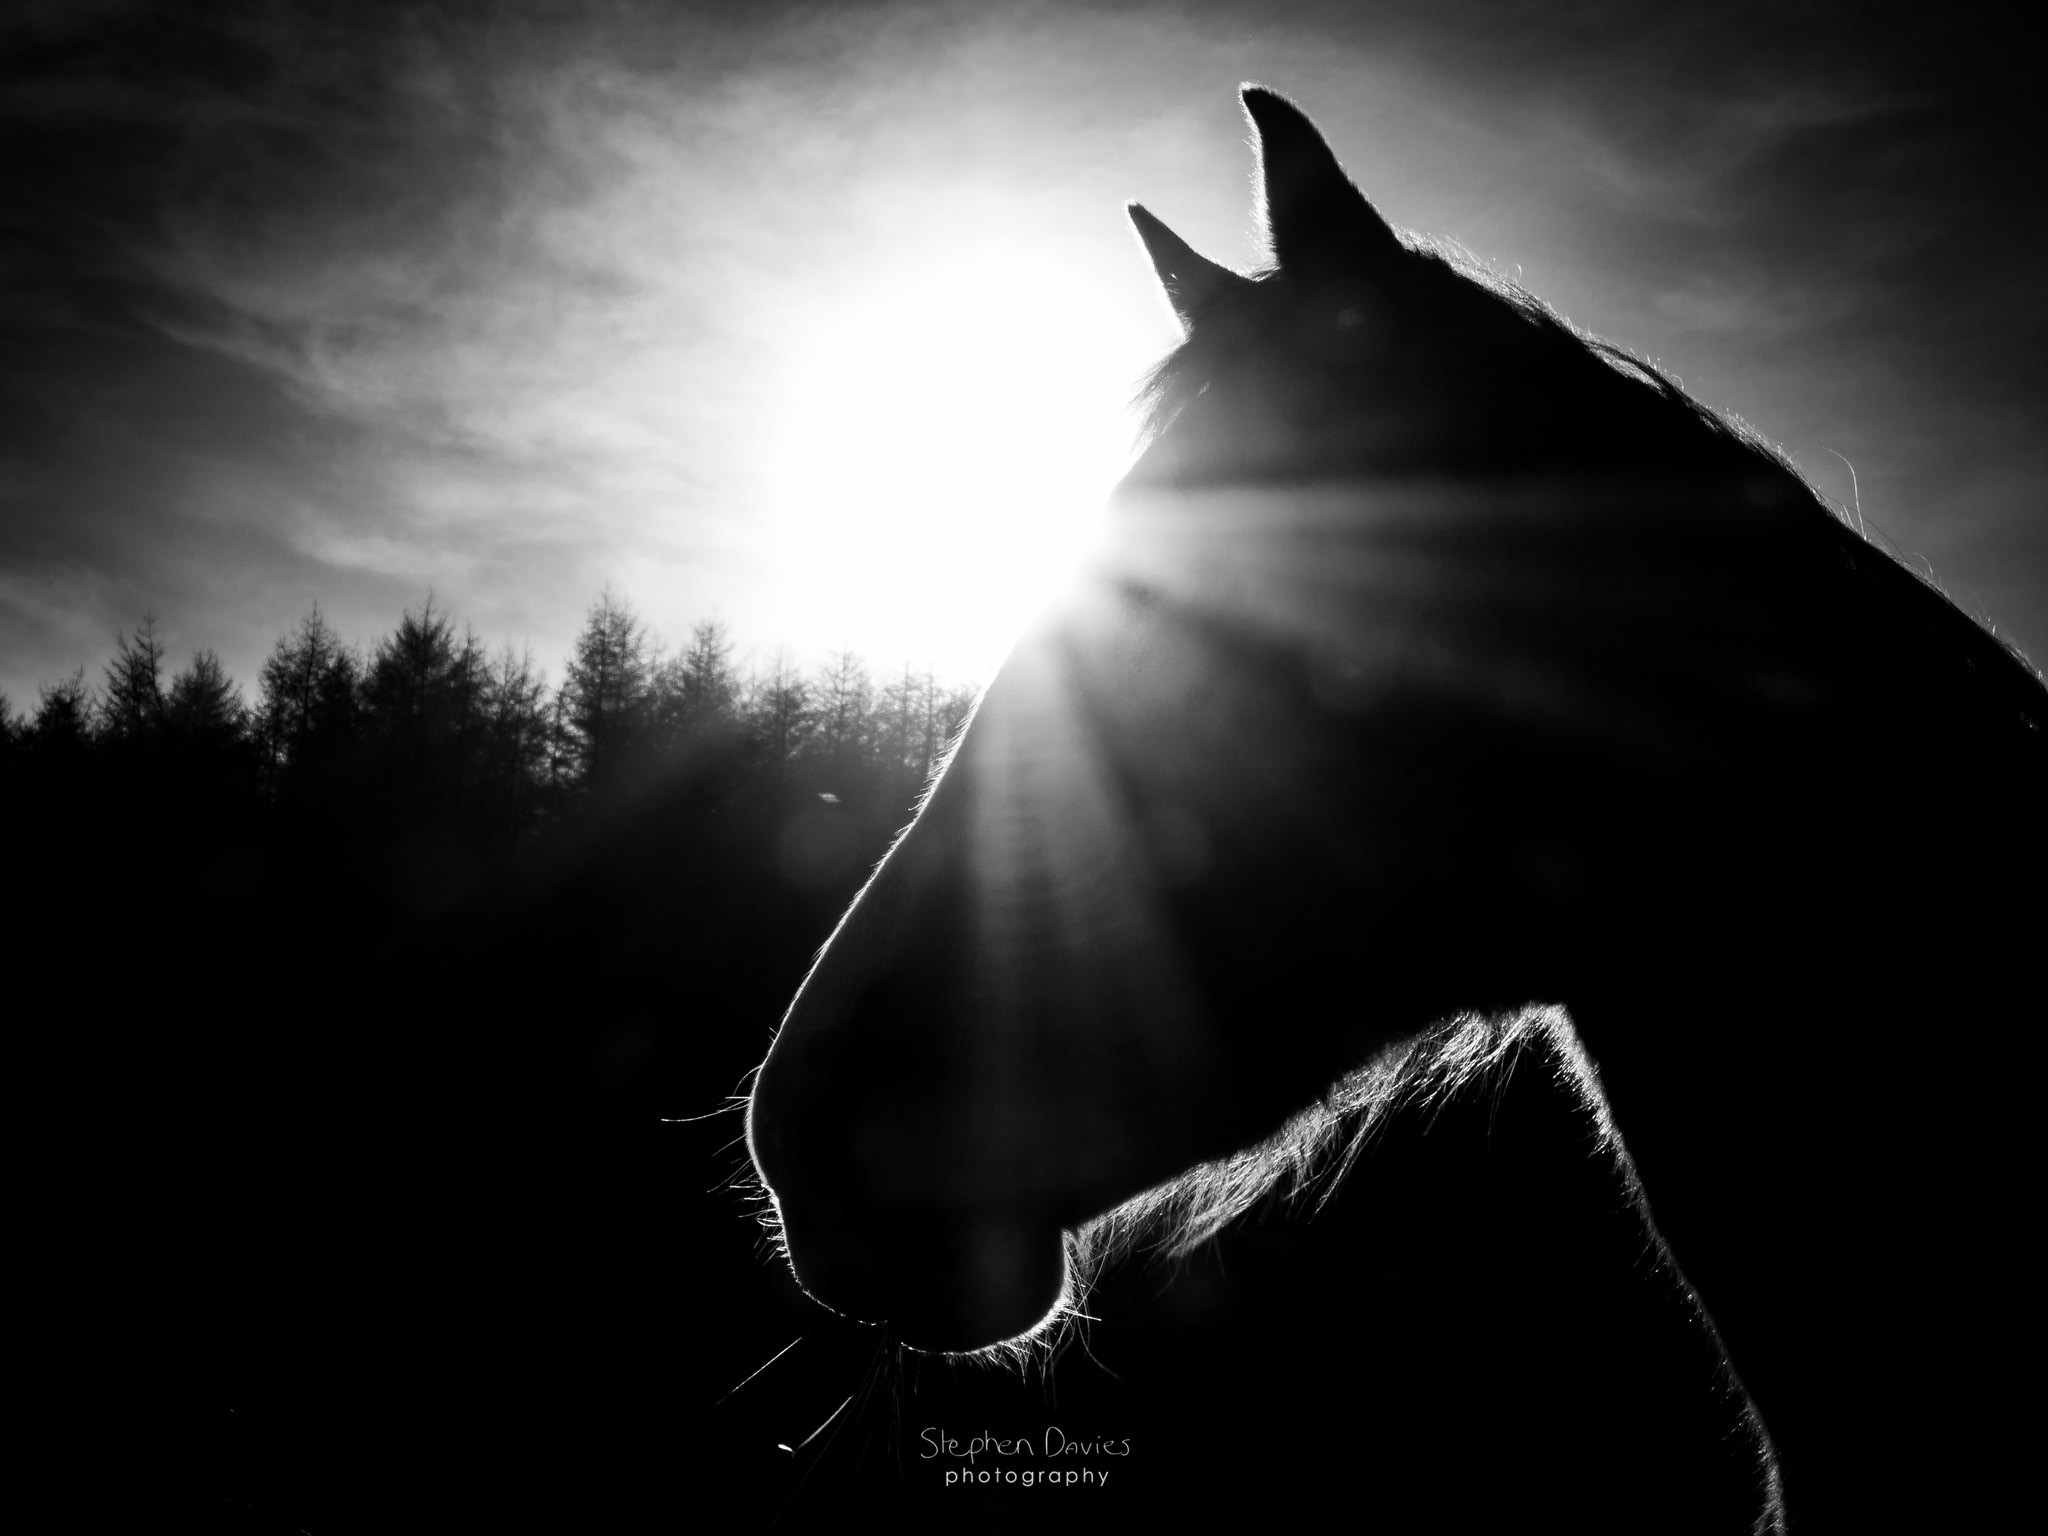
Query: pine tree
[[693, 698], [212, 753], [517, 727], [605, 692], [902, 722], [778, 713], [308, 715], [843, 698], [423, 710], [61, 731], [204, 703], [411, 687], [131, 708], [710, 686]]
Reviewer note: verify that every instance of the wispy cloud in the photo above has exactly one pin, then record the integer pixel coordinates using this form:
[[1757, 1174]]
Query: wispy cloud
[[308, 303]]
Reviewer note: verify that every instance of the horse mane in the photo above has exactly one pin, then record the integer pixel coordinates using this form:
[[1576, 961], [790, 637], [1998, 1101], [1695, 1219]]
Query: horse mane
[[1307, 1159], [1305, 1162], [1185, 372], [1719, 438]]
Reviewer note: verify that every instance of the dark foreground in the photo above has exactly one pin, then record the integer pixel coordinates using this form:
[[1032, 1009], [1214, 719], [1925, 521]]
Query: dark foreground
[[354, 1204]]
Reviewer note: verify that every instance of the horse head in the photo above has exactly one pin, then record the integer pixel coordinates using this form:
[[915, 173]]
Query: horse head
[[1441, 661]]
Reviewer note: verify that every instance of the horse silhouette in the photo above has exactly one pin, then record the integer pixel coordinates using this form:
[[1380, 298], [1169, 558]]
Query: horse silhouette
[[1452, 684]]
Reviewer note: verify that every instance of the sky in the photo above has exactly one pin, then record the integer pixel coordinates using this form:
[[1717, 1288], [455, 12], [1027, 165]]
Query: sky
[[822, 321]]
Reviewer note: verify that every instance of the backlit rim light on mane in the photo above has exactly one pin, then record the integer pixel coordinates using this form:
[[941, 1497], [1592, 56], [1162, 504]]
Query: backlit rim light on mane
[[1303, 1163], [1306, 1161]]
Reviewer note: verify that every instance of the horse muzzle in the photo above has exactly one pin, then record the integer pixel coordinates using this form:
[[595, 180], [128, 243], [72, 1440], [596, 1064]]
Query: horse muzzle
[[939, 1281]]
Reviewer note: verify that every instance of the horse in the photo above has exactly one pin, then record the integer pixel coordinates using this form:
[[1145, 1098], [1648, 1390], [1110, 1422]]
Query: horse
[[1452, 683]]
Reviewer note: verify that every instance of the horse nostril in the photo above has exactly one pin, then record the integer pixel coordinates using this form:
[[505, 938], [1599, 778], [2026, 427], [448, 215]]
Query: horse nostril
[[940, 1284]]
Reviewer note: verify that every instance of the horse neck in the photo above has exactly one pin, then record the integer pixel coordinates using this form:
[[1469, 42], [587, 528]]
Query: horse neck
[[1586, 733]]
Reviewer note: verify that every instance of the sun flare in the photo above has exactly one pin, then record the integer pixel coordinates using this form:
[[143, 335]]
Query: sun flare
[[951, 433]]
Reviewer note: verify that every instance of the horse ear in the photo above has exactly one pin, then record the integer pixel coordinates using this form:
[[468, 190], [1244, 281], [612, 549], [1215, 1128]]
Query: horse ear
[[1316, 220], [1192, 282]]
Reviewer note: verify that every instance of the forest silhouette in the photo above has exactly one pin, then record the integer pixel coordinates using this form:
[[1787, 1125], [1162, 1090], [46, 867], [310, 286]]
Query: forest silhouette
[[366, 1019], [432, 735]]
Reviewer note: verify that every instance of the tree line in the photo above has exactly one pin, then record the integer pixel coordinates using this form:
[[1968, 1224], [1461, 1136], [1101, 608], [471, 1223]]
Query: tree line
[[373, 1015], [432, 724]]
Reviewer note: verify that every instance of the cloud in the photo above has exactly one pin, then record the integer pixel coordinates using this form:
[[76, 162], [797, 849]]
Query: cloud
[[48, 621], [514, 299]]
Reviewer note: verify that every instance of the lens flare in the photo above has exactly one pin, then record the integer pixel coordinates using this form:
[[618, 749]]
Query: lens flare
[[951, 433]]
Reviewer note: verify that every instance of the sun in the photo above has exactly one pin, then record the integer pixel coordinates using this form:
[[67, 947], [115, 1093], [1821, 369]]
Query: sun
[[949, 434]]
